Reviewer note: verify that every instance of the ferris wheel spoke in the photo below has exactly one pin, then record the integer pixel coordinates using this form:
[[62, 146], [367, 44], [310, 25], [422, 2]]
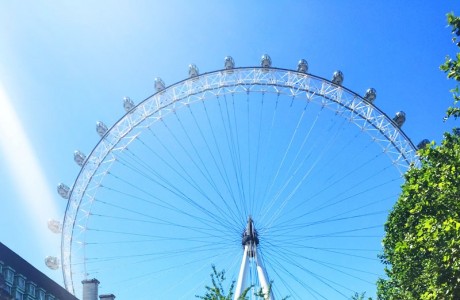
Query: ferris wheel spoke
[[298, 222], [220, 169], [227, 114], [174, 189], [277, 195], [190, 179], [257, 152], [143, 259], [210, 180], [174, 253], [158, 203], [150, 258], [283, 158], [294, 227], [217, 146], [328, 186], [293, 191], [208, 231], [295, 246], [250, 158], [284, 274], [300, 175], [197, 165], [331, 284], [338, 177], [200, 165], [323, 265], [238, 153], [281, 267], [334, 178], [211, 219], [337, 199], [265, 168], [330, 201]]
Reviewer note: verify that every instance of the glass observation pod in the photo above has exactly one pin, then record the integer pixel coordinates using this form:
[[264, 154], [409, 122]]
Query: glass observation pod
[[337, 77], [302, 66], [400, 118]]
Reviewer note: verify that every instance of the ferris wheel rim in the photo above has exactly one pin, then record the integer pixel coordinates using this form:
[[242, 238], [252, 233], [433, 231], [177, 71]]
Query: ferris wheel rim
[[87, 171]]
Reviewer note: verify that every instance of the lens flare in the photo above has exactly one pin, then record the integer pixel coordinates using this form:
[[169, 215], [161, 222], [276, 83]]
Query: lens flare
[[30, 183]]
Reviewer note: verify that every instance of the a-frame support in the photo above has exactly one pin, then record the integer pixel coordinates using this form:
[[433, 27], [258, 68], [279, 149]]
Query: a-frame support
[[250, 255]]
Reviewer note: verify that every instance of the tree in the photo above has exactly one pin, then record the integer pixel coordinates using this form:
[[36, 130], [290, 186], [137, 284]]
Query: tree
[[422, 241], [421, 248], [217, 291], [452, 66]]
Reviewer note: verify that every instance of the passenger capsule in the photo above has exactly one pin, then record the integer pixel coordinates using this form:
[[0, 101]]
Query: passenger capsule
[[101, 128], [302, 66], [159, 84], [128, 104], [193, 71], [229, 63], [63, 191], [371, 95], [400, 118], [337, 77], [79, 158], [265, 61], [55, 226], [423, 144], [52, 262]]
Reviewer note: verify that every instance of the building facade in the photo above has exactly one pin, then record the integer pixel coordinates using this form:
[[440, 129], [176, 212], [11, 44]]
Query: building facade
[[19, 280]]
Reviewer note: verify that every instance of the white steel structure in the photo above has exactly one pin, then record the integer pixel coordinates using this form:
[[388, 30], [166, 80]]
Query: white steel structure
[[294, 160], [250, 242]]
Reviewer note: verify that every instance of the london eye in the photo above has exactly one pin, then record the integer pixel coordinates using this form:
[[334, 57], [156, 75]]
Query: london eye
[[282, 178]]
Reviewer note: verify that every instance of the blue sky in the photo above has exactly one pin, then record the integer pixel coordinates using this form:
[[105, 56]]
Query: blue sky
[[64, 66]]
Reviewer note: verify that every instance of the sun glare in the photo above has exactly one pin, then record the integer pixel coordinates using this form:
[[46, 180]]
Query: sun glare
[[34, 192]]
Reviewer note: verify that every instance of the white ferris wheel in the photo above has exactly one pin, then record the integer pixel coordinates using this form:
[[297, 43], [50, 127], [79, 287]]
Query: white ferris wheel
[[274, 175]]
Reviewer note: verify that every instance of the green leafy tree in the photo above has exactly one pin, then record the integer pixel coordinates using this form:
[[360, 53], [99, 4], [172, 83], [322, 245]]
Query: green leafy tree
[[422, 241], [217, 292], [452, 66]]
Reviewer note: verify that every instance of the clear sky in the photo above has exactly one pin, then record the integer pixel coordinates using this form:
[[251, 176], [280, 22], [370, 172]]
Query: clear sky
[[66, 65]]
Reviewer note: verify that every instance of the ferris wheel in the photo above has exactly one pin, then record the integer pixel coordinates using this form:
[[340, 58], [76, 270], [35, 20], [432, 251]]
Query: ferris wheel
[[279, 177]]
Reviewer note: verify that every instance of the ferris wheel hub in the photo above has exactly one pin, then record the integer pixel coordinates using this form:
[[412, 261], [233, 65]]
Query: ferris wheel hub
[[250, 237]]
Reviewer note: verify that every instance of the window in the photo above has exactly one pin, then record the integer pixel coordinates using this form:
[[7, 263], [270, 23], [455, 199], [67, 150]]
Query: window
[[20, 282], [40, 294], [50, 297], [31, 288], [9, 275]]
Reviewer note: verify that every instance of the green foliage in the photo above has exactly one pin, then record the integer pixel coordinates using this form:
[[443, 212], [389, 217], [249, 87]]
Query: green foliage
[[452, 66], [422, 242], [217, 292], [358, 296]]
